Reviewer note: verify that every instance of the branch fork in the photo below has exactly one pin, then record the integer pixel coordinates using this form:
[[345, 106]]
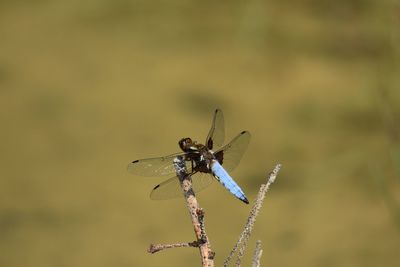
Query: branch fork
[[197, 217]]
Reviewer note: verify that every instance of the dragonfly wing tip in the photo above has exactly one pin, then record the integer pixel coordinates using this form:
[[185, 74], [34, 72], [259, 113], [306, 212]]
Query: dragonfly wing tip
[[157, 186]]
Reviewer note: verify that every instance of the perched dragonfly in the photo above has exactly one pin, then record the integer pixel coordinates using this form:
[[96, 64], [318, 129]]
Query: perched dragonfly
[[204, 162]]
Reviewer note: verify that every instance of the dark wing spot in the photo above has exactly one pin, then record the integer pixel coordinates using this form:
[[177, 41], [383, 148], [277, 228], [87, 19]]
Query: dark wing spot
[[135, 161], [157, 186]]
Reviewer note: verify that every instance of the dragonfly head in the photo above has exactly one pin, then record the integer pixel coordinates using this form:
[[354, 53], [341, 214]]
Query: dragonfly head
[[186, 144]]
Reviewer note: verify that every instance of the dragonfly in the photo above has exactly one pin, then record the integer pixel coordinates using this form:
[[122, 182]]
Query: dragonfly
[[204, 162]]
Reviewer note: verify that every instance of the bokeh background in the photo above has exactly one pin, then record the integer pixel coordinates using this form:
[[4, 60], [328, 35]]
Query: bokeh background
[[88, 86]]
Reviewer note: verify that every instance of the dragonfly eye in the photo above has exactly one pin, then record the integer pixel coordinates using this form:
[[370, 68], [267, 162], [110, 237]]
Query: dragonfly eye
[[185, 143]]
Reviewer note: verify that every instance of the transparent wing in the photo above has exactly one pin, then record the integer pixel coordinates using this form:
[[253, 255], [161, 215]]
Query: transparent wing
[[171, 188], [160, 166], [216, 135], [230, 155]]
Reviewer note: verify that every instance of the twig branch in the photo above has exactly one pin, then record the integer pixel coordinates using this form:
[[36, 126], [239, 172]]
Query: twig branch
[[196, 213], [197, 216], [158, 247], [257, 255], [241, 244]]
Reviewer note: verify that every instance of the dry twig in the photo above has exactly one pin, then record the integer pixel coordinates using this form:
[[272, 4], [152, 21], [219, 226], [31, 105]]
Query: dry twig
[[257, 255], [241, 244], [158, 247], [197, 216]]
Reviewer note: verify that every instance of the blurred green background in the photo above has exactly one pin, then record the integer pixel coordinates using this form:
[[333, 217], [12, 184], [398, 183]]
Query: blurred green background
[[88, 86]]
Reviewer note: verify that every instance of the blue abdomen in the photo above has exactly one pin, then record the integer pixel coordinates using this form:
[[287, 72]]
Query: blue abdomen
[[226, 180]]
